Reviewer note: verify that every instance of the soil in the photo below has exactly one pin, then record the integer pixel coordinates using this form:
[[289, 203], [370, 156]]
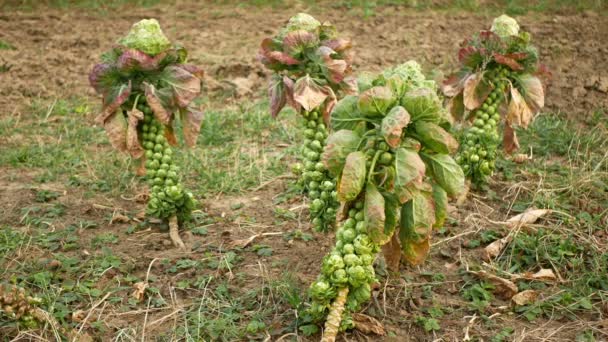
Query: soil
[[55, 50]]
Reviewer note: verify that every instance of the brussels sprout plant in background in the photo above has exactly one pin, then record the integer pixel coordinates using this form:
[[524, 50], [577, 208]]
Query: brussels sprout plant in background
[[311, 67], [390, 152], [145, 84], [498, 80]]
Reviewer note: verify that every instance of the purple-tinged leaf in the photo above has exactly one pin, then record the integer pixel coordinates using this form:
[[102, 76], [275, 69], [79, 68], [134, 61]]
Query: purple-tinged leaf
[[353, 177], [132, 59], [273, 58], [409, 173], [334, 69], [350, 86], [308, 93], [330, 103], [113, 99], [194, 70], [97, 77], [276, 93], [375, 215], [185, 86], [508, 61], [296, 42], [191, 122], [338, 45], [375, 101], [289, 95], [133, 145], [393, 124]]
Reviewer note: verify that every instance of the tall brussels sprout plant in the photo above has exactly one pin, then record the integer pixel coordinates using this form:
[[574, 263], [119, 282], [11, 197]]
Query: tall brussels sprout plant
[[390, 152], [498, 81], [146, 83], [311, 67]]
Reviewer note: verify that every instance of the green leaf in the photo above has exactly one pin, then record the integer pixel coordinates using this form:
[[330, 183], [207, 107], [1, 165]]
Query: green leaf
[[417, 219], [445, 171], [393, 125], [353, 177], [375, 216], [435, 138], [376, 101], [409, 171], [440, 197], [423, 104], [345, 114], [338, 146], [391, 212]]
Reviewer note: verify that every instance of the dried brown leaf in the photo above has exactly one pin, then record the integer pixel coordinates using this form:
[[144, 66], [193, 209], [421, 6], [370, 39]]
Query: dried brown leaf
[[139, 290], [156, 105], [368, 325], [528, 217], [119, 218], [309, 94], [116, 129], [493, 250], [392, 253], [518, 113], [191, 121], [504, 288], [509, 139], [476, 90], [525, 297], [133, 145]]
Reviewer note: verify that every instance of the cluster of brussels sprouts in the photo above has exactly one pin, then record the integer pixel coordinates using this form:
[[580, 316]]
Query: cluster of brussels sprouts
[[16, 304], [349, 264], [479, 145], [167, 194], [319, 184]]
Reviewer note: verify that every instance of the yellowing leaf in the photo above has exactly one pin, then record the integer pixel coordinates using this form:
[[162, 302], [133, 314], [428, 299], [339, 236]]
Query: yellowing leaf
[[308, 93], [116, 129], [518, 113], [533, 91], [392, 253], [191, 125], [476, 90], [417, 219], [375, 215], [409, 171], [353, 177], [393, 124]]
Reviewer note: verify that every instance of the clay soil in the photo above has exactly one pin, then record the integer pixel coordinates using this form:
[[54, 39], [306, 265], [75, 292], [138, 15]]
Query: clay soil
[[55, 49]]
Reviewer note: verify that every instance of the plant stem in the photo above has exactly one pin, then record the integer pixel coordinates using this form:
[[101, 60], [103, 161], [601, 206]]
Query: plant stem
[[334, 318], [174, 233]]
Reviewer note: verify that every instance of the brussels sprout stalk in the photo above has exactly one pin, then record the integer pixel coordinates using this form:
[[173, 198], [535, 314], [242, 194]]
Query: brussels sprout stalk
[[391, 156], [145, 85], [498, 81], [311, 68]]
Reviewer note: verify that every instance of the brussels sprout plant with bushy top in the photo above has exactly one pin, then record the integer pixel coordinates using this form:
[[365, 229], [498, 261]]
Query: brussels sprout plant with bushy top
[[145, 85], [311, 67], [498, 80], [390, 152]]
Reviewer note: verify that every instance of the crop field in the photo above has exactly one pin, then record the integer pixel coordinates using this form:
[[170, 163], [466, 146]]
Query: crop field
[[405, 223]]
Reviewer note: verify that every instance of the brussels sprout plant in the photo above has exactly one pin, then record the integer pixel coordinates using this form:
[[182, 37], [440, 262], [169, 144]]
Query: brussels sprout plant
[[311, 67], [390, 153], [498, 81], [145, 84]]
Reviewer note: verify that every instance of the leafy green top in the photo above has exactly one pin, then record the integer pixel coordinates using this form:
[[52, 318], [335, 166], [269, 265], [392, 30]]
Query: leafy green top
[[144, 66], [310, 63], [391, 145], [147, 37], [503, 54]]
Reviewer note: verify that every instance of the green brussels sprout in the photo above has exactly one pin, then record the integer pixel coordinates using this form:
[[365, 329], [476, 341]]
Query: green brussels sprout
[[340, 277], [161, 173], [314, 194], [316, 145], [319, 167], [357, 275], [322, 291], [348, 235], [332, 263], [366, 259], [309, 133], [348, 248], [363, 245], [361, 227], [350, 222], [351, 260], [362, 293]]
